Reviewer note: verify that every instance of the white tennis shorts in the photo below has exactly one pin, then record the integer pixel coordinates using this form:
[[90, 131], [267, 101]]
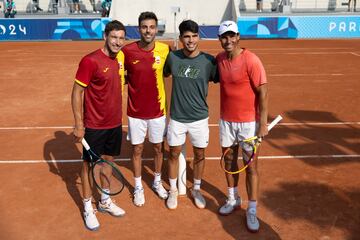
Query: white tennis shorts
[[155, 127], [231, 133], [198, 132]]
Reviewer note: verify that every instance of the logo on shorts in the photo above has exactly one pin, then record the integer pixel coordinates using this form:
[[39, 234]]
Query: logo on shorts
[[106, 69], [135, 62]]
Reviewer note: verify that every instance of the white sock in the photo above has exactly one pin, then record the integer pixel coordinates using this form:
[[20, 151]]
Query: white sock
[[138, 183], [197, 184], [236, 192], [231, 192], [173, 183], [157, 178], [252, 204], [105, 197], [88, 205]]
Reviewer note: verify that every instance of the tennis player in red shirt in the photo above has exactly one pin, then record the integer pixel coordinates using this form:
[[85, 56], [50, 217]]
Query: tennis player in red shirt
[[146, 109], [243, 114], [97, 106]]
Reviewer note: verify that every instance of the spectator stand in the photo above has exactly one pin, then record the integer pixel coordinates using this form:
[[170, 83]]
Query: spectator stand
[[2, 8]]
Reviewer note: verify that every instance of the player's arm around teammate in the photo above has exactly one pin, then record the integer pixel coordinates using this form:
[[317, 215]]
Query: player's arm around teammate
[[244, 109], [96, 102], [144, 62], [191, 71]]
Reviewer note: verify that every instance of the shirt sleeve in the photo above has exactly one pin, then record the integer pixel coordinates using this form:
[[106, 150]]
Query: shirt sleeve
[[167, 66], [85, 72], [256, 71], [214, 71]]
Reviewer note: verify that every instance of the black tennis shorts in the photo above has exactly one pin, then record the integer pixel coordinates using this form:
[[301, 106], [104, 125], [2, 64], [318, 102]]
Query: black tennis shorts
[[103, 141]]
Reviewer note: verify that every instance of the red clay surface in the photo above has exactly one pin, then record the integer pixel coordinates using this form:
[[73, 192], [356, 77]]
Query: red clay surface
[[314, 194]]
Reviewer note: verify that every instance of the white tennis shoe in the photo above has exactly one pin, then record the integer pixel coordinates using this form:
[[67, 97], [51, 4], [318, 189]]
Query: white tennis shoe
[[91, 221], [230, 206], [199, 200], [252, 222], [171, 202], [139, 197], [158, 188], [110, 207]]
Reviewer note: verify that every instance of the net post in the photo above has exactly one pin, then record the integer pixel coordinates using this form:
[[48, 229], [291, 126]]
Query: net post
[[182, 171]]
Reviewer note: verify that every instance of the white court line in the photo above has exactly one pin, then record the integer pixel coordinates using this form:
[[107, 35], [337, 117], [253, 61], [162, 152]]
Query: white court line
[[305, 74], [210, 125], [31, 55], [35, 128], [309, 53], [219, 50], [283, 49], [306, 124], [207, 158]]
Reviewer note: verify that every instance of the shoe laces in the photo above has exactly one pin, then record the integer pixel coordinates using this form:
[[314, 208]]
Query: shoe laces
[[138, 192], [173, 193], [231, 202], [109, 203], [158, 185], [112, 206], [252, 218], [87, 213], [252, 215], [196, 194]]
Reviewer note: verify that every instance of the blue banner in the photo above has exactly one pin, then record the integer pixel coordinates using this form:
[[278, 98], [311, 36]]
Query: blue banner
[[300, 27], [208, 31], [249, 27], [56, 29]]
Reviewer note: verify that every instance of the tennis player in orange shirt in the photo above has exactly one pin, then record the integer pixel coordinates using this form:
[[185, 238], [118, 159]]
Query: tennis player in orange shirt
[[243, 113]]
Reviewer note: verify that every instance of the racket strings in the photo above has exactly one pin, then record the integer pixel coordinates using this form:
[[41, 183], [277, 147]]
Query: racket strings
[[249, 148], [255, 144], [105, 175]]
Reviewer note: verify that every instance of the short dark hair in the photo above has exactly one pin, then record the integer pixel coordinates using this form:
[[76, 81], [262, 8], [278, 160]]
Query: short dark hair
[[147, 15], [114, 25], [188, 25]]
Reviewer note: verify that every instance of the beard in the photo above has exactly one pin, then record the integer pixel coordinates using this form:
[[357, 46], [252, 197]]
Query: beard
[[112, 52], [148, 39]]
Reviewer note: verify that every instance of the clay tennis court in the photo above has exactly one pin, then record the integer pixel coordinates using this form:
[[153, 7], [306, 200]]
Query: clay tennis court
[[309, 165]]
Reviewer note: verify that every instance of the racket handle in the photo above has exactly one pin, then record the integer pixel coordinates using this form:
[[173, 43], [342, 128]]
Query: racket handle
[[85, 144], [274, 122]]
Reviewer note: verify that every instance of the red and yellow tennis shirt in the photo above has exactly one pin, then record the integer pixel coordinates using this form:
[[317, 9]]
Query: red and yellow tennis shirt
[[239, 77], [146, 91], [103, 79]]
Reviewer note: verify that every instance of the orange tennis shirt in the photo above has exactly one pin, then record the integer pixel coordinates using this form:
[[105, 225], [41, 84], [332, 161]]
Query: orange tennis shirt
[[146, 91], [239, 77]]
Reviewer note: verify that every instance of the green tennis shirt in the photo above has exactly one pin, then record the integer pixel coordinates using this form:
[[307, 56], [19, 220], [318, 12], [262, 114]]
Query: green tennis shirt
[[191, 78]]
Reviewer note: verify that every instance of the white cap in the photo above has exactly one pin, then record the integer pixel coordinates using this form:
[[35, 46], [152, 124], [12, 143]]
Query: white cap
[[228, 26]]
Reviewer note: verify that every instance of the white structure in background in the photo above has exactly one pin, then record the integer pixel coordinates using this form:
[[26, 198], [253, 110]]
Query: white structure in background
[[204, 12], [212, 12]]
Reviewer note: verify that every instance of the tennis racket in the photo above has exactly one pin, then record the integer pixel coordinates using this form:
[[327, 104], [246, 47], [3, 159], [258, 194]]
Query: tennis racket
[[250, 145], [104, 173]]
